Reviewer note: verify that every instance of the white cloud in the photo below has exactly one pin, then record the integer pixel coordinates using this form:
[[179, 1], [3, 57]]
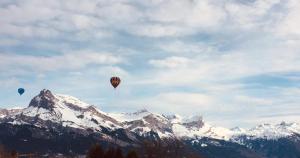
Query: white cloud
[[83, 22], [9, 42], [113, 71], [180, 47], [251, 15], [290, 95], [11, 82], [215, 44], [169, 18], [75, 60], [231, 65], [170, 62], [163, 18], [185, 99], [252, 101], [156, 30], [289, 24], [174, 102]]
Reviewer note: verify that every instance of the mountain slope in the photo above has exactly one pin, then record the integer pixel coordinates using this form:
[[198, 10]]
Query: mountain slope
[[54, 118], [63, 110], [69, 111], [6, 112]]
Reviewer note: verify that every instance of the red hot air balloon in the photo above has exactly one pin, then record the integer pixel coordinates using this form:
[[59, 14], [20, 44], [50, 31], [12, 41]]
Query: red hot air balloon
[[115, 81]]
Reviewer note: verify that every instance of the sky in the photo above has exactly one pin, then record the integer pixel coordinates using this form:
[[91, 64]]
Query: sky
[[235, 62]]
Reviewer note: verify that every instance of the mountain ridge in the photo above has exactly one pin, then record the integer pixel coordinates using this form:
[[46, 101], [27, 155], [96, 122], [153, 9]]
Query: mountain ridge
[[58, 118], [70, 111]]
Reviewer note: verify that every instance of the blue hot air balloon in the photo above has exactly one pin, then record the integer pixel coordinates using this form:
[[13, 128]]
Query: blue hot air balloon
[[21, 91]]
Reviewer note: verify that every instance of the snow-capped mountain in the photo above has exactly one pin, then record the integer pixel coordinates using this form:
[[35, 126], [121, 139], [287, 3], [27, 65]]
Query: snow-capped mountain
[[143, 122], [62, 109], [271, 131], [69, 111], [54, 116]]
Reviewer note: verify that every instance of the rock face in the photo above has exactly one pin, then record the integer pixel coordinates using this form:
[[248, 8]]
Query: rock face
[[69, 111], [50, 116], [45, 100], [63, 110], [194, 122]]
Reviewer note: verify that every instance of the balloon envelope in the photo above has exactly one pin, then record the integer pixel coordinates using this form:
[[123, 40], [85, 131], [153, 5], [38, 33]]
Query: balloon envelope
[[21, 91], [115, 81]]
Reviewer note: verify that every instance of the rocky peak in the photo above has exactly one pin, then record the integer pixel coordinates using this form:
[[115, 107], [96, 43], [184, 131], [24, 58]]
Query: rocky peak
[[195, 121], [44, 100], [46, 93], [140, 112], [238, 130]]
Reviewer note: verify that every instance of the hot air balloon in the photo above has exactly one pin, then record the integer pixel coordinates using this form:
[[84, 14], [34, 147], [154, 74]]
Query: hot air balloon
[[21, 91], [115, 81]]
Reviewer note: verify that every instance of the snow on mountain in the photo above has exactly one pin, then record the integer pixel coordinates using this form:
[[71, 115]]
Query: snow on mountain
[[123, 117], [264, 131], [206, 130], [195, 127], [174, 118], [143, 122], [270, 131], [3, 113], [72, 112], [10, 111], [238, 130], [66, 110], [72, 100]]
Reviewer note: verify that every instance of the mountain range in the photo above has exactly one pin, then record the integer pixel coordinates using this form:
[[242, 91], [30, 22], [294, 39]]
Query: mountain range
[[55, 123]]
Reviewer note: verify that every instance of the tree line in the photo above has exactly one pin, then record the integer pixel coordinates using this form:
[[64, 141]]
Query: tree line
[[166, 148], [4, 153], [160, 148], [96, 151]]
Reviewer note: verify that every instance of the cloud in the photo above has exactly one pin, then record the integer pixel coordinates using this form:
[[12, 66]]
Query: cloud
[[113, 71], [190, 99], [83, 22], [247, 100], [156, 30], [9, 42], [190, 53], [173, 102], [289, 25], [11, 82], [170, 62], [192, 13], [253, 14], [186, 48], [165, 18], [66, 61], [229, 65]]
